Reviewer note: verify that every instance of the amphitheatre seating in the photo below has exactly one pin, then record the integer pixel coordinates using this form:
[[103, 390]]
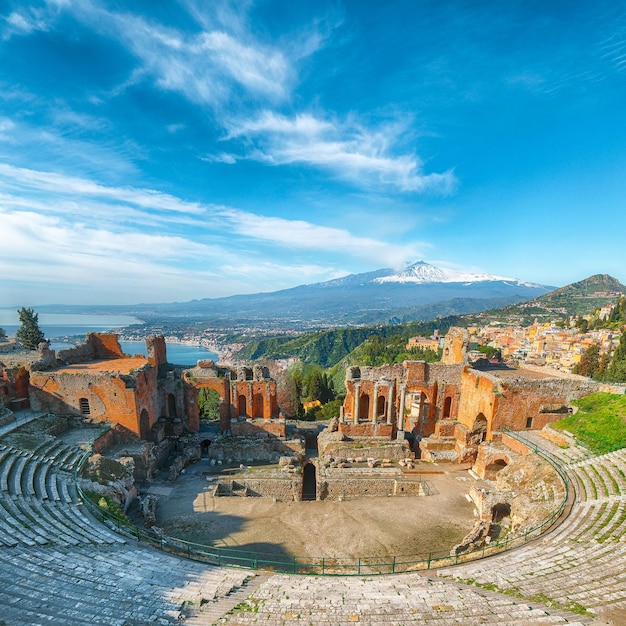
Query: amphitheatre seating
[[583, 561], [59, 565], [114, 585]]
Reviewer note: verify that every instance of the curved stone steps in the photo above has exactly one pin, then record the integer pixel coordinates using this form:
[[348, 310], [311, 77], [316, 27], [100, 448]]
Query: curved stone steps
[[401, 599], [584, 559], [113, 585]]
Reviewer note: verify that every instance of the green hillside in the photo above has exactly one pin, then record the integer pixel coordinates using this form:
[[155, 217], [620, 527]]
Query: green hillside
[[327, 348]]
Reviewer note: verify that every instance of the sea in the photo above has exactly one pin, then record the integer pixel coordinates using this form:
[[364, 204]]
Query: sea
[[58, 326]]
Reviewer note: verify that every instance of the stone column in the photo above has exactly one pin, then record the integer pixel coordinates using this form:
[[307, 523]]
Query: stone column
[[390, 401], [401, 410], [357, 399], [374, 409], [342, 418]]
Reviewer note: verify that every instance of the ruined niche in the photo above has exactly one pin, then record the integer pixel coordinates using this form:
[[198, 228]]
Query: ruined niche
[[455, 346]]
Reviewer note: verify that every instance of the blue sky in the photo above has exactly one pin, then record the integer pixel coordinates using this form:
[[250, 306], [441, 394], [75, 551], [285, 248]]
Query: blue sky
[[161, 151]]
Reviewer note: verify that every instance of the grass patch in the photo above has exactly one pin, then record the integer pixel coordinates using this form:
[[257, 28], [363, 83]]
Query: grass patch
[[600, 424]]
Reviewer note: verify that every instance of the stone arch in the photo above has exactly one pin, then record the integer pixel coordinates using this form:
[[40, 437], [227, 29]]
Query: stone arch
[[492, 469], [500, 511], [381, 406], [209, 402], [479, 430], [447, 407], [309, 482], [204, 446], [171, 405], [364, 407], [242, 405], [144, 424], [257, 405], [21, 382]]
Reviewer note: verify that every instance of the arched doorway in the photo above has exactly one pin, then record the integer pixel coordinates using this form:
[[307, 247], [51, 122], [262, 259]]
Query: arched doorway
[[479, 430], [204, 446], [364, 408], [257, 405], [171, 405], [493, 468], [447, 407], [144, 424], [242, 406], [209, 404], [309, 483], [500, 511], [381, 405]]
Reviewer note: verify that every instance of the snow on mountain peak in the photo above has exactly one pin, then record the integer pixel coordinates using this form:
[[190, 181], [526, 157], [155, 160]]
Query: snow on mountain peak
[[422, 272]]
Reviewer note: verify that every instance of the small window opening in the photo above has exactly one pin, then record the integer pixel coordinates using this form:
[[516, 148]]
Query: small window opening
[[529, 422], [84, 406]]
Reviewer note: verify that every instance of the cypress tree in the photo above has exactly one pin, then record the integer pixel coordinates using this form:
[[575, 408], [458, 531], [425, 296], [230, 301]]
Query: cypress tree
[[617, 370], [29, 334]]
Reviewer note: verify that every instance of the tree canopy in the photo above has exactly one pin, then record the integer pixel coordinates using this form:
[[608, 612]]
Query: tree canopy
[[29, 334]]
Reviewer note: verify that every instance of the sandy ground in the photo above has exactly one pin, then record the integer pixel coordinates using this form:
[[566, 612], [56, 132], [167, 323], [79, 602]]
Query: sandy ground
[[373, 526]]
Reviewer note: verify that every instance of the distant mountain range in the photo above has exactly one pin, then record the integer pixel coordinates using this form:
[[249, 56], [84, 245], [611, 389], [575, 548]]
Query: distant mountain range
[[419, 292]]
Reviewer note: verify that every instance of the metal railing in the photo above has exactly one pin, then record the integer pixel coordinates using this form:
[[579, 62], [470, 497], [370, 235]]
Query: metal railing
[[325, 566]]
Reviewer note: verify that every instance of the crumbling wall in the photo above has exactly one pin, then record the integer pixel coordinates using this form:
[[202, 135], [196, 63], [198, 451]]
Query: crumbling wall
[[244, 449], [95, 346]]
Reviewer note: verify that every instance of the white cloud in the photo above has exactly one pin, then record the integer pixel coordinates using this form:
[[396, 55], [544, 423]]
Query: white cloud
[[347, 149], [209, 67], [60, 231]]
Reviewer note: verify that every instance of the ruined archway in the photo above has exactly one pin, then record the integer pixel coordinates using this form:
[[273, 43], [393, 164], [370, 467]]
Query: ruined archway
[[381, 406], [242, 406], [493, 468], [257, 405], [447, 408], [500, 511], [204, 446], [479, 430], [144, 424], [309, 483], [171, 405], [364, 407]]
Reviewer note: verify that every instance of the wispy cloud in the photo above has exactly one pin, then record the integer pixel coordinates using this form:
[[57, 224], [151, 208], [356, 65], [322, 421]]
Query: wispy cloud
[[51, 220], [347, 149], [208, 66]]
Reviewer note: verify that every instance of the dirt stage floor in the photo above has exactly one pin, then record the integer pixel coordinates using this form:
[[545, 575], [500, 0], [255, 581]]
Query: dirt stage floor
[[369, 526]]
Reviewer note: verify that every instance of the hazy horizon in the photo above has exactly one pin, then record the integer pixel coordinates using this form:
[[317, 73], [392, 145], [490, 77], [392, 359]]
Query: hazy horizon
[[186, 150]]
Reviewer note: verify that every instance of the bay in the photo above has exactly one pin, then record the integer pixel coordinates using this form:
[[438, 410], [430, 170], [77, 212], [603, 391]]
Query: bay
[[177, 353], [56, 325]]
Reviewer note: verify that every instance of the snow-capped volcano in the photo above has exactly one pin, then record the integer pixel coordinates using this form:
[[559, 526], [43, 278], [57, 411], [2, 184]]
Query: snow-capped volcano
[[421, 272]]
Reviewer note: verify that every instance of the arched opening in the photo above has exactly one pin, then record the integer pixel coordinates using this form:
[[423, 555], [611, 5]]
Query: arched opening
[[171, 405], [479, 430], [144, 424], [364, 407], [419, 408], [83, 404], [209, 404], [447, 407], [493, 468], [242, 406], [257, 405], [500, 511], [204, 446], [381, 405], [21, 383], [309, 483]]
